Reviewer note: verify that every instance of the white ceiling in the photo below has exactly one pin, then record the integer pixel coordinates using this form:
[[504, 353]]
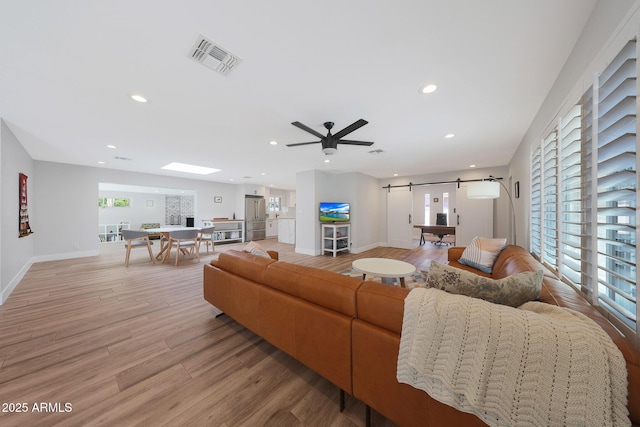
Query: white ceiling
[[68, 68]]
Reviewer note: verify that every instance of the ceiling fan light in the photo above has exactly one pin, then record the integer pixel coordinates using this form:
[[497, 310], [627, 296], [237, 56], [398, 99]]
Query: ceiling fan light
[[329, 150]]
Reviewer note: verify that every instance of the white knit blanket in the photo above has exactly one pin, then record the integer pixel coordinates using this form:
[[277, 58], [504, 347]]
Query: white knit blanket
[[539, 365]]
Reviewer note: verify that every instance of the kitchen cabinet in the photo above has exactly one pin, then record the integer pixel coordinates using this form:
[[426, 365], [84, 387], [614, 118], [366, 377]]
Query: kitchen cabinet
[[272, 228], [287, 231]]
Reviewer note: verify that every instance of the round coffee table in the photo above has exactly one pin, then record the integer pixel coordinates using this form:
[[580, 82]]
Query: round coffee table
[[384, 267]]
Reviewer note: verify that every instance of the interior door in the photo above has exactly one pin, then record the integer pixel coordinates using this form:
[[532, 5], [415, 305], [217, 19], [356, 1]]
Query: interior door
[[399, 218], [473, 217]]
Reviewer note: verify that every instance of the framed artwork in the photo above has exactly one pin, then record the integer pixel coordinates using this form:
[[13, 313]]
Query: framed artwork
[[435, 200], [24, 229], [217, 199]]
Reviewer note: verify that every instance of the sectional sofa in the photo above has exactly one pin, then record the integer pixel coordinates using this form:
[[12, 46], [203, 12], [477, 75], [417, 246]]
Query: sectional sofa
[[349, 331]]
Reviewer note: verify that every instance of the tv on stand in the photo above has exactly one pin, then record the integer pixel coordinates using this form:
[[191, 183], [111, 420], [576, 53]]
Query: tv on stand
[[334, 212]]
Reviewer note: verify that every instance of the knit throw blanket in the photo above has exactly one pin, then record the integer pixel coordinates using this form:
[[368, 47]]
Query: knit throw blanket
[[537, 365]]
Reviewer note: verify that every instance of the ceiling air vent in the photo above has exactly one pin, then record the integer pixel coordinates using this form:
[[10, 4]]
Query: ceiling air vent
[[378, 151], [213, 56]]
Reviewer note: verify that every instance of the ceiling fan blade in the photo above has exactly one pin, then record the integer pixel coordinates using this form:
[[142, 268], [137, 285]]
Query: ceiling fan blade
[[350, 128], [349, 142], [303, 143], [308, 129]]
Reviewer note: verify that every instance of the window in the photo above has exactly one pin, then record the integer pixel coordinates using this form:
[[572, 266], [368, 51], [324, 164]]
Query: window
[[427, 209], [571, 188], [616, 186], [110, 202], [536, 202], [275, 204], [584, 192], [445, 204], [549, 235]]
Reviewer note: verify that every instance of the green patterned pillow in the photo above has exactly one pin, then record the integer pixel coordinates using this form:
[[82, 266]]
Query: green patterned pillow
[[512, 290]]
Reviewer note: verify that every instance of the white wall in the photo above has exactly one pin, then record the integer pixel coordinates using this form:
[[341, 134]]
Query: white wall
[[359, 190], [15, 252], [68, 212], [501, 208], [611, 24], [137, 212]]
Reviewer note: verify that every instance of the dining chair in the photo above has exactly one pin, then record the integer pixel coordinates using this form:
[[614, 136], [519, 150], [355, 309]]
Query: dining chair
[[206, 236], [136, 239], [185, 241]]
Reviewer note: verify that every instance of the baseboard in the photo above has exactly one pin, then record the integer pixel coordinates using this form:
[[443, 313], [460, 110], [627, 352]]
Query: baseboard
[[302, 251], [66, 255], [367, 247], [4, 295]]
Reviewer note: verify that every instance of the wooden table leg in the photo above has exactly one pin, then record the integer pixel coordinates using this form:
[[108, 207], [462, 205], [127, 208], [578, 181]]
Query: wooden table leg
[[402, 283]]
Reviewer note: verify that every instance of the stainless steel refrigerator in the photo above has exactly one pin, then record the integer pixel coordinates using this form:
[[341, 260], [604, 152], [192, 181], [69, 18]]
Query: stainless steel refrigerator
[[255, 218]]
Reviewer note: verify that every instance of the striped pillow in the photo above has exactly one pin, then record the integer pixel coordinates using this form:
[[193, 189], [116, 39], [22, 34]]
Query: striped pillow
[[482, 253]]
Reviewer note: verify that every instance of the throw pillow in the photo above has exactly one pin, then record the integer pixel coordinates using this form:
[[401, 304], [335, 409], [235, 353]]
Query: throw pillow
[[512, 290], [482, 253], [256, 249]]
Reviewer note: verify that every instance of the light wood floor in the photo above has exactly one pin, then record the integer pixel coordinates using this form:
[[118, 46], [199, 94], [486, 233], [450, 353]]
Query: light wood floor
[[140, 346]]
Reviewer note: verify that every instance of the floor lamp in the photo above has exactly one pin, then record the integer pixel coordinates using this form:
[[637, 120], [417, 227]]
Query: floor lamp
[[489, 188]]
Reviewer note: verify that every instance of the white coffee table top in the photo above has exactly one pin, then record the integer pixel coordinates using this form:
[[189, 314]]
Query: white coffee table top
[[383, 267]]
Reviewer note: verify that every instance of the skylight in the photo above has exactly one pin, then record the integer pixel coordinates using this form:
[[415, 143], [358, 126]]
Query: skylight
[[182, 167]]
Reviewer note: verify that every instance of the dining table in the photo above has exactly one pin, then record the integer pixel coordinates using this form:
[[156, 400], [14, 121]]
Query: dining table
[[164, 239]]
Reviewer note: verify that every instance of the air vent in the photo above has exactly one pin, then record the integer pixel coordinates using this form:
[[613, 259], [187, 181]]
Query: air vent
[[378, 151], [121, 158], [213, 56]]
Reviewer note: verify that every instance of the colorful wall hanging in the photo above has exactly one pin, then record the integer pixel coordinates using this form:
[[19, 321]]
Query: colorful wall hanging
[[23, 226]]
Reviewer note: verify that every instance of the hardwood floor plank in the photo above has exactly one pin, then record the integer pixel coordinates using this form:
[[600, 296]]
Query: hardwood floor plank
[[141, 346]]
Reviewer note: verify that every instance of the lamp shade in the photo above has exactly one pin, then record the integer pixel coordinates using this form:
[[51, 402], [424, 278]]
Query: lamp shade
[[483, 190]]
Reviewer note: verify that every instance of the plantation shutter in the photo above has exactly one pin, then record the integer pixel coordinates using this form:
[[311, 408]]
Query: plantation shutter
[[550, 200], [572, 225], [536, 202], [616, 187]]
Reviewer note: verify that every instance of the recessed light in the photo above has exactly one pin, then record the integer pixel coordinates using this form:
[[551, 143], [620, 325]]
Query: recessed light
[[102, 163], [472, 166], [449, 135], [273, 142], [182, 167], [395, 174], [111, 146], [139, 98], [327, 161], [430, 88], [230, 179], [263, 174]]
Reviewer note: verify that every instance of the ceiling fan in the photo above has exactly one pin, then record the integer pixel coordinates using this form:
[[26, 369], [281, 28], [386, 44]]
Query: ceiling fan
[[330, 142]]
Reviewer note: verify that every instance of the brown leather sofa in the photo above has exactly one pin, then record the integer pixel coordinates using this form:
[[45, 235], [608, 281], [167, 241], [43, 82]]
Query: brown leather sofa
[[349, 331]]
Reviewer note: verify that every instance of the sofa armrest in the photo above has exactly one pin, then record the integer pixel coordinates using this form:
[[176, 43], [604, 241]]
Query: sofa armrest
[[274, 255], [455, 252]]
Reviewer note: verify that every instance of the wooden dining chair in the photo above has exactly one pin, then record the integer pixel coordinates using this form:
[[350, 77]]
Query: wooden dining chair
[[136, 239], [185, 241], [206, 236]]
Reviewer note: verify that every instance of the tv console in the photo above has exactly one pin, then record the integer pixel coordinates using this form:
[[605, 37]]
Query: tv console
[[336, 237]]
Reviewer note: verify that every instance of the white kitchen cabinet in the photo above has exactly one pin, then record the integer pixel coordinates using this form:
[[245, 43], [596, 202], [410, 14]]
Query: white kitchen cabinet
[[272, 228], [287, 231]]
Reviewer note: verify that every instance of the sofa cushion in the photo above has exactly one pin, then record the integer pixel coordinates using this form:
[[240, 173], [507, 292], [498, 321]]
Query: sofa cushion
[[482, 253], [243, 264], [256, 249], [513, 290]]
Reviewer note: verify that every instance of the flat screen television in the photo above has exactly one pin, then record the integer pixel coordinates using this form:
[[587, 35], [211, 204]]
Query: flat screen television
[[334, 212]]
